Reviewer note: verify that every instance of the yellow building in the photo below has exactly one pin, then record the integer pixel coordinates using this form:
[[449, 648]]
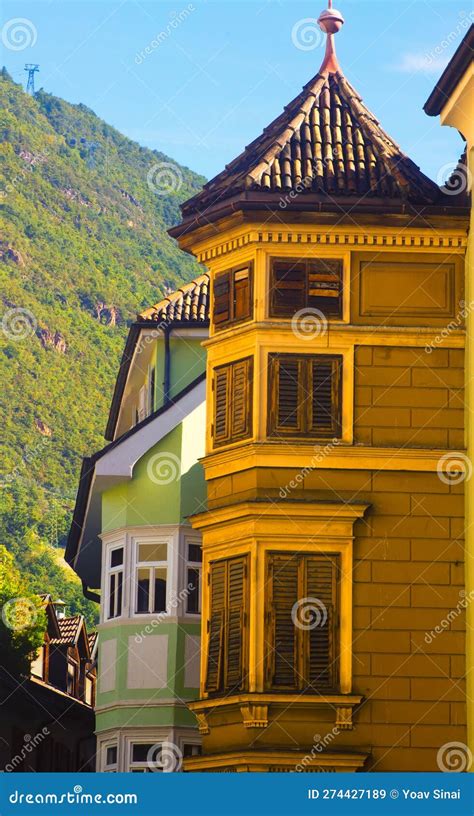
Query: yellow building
[[453, 101], [332, 537]]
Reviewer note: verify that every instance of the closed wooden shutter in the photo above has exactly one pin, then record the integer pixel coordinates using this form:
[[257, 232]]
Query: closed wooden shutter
[[321, 582], [283, 579], [215, 657], [226, 661], [236, 612], [299, 655], [222, 381], [325, 379], [304, 395], [288, 288], [233, 401], [221, 313]]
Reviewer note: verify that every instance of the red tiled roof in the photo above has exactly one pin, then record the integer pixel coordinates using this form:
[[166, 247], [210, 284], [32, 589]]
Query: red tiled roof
[[326, 142], [68, 628], [189, 304]]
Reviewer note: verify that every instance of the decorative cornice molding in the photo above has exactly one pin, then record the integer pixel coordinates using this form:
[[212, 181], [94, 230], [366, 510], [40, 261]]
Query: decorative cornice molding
[[342, 237]]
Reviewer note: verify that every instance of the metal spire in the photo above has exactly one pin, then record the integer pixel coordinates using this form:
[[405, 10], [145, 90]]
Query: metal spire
[[330, 21]]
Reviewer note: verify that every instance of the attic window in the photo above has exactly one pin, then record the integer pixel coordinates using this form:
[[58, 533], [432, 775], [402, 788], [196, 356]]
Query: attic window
[[233, 296], [306, 284]]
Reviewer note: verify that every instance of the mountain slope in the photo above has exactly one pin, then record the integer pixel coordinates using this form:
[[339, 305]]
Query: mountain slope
[[83, 247]]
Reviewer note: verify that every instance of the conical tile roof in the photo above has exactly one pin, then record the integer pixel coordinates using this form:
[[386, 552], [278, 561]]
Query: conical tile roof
[[326, 142]]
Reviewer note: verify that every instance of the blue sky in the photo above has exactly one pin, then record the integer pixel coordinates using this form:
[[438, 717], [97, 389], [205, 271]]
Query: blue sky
[[219, 72]]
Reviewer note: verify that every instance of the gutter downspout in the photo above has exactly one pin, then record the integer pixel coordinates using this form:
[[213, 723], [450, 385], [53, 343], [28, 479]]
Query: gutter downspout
[[167, 373], [91, 596]]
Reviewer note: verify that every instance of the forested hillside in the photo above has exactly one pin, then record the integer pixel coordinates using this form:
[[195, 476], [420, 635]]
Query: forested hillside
[[83, 247]]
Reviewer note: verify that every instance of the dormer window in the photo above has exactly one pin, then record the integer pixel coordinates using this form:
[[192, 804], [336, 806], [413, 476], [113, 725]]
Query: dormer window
[[314, 283]]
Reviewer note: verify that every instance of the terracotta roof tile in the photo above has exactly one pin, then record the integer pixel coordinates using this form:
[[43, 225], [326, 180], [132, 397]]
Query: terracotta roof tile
[[189, 304], [68, 628], [326, 142]]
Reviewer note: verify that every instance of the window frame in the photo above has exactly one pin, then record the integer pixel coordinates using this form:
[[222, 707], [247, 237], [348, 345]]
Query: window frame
[[304, 408], [114, 571], [275, 314], [232, 320], [113, 766], [151, 565], [195, 565]]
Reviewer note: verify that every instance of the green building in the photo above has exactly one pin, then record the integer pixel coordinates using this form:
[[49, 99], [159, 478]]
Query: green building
[[132, 545]]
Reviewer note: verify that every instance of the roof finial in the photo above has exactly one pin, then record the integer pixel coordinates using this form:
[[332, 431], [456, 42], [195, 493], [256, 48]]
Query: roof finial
[[330, 21]]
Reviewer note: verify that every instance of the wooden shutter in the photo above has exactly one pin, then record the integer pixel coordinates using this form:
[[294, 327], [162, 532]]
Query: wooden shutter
[[242, 293], [222, 381], [321, 584], [282, 647], [233, 401], [221, 313], [236, 611], [286, 390], [217, 594], [325, 389], [241, 399], [325, 286], [288, 288]]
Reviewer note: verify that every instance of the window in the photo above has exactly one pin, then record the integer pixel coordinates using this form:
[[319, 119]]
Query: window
[[304, 395], [193, 578], [227, 648], [111, 758], [142, 400], [115, 583], [313, 283], [151, 577], [232, 387], [233, 296], [191, 749], [301, 598], [143, 757], [151, 389]]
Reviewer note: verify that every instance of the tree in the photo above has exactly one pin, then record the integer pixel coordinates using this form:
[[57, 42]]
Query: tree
[[23, 619]]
